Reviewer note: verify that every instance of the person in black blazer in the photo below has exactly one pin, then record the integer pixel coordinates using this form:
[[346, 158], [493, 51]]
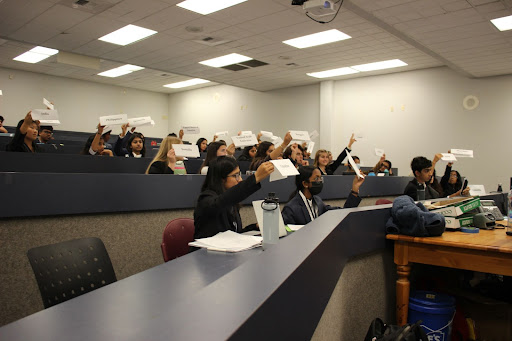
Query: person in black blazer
[[322, 159], [306, 205], [223, 189], [423, 169], [130, 143]]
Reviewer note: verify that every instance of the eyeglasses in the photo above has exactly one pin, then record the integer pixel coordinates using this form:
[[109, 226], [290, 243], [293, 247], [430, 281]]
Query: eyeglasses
[[237, 176], [319, 179]]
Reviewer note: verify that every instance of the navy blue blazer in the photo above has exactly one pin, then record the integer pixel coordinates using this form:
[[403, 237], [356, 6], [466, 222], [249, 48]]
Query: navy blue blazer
[[295, 212]]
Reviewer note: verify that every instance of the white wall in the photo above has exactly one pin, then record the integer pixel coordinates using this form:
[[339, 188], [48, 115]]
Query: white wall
[[224, 107], [433, 121], [79, 103]]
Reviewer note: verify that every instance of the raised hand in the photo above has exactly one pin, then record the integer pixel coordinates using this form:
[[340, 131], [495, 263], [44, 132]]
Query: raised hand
[[351, 142], [263, 171]]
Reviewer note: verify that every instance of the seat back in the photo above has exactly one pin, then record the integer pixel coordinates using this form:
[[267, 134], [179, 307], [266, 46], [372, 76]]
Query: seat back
[[177, 234], [70, 269], [383, 202]]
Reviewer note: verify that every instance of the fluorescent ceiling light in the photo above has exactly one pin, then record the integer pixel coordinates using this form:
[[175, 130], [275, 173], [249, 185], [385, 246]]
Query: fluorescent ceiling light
[[120, 71], [228, 59], [127, 35], [333, 73], [208, 6], [35, 55], [503, 24], [387, 64], [190, 82], [315, 39]]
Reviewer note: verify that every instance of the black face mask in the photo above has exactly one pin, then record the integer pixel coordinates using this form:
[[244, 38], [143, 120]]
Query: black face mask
[[316, 188]]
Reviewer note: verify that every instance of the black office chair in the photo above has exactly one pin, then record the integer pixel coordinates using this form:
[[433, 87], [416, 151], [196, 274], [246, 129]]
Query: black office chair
[[70, 269]]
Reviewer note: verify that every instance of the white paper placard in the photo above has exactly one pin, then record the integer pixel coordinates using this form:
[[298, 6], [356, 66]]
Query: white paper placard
[[277, 141], [313, 135], [152, 123], [140, 121], [266, 133], [245, 133], [379, 152], [44, 115], [282, 169], [186, 150], [354, 166], [222, 133], [448, 157], [191, 130], [1, 93], [49, 122], [114, 120], [244, 141], [359, 136], [462, 152], [299, 135], [267, 138], [311, 145], [476, 189], [48, 104]]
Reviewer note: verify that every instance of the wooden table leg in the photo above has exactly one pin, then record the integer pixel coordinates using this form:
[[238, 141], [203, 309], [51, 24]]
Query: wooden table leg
[[403, 285]]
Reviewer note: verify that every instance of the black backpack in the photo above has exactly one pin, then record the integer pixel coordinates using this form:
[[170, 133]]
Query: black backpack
[[379, 331]]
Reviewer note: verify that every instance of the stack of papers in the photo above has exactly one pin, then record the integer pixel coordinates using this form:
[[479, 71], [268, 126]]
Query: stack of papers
[[228, 241]]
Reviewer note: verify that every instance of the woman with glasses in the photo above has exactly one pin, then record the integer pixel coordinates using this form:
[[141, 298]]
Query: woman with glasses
[[130, 143], [451, 182], [305, 205], [322, 161], [223, 189]]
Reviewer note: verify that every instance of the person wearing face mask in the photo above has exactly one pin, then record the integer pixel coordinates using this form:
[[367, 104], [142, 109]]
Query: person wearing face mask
[[322, 161], [305, 205], [24, 139]]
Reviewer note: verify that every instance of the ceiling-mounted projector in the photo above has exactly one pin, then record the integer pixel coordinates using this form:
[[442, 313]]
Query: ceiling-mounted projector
[[320, 8]]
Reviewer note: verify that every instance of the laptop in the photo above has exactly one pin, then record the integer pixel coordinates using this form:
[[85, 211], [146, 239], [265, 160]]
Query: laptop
[[259, 217]]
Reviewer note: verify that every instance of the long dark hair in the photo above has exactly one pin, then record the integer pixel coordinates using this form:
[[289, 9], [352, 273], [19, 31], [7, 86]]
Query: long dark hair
[[18, 133], [218, 170], [88, 144], [305, 173], [211, 154], [133, 137], [261, 153], [198, 143]]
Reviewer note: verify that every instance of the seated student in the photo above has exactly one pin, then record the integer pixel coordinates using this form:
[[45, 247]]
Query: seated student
[[451, 182], [267, 151], [24, 139], [45, 134], [95, 144], [223, 189], [216, 149], [165, 161], [305, 205], [383, 165], [248, 154], [322, 159], [357, 161], [130, 143], [295, 154], [2, 128], [202, 144], [422, 170]]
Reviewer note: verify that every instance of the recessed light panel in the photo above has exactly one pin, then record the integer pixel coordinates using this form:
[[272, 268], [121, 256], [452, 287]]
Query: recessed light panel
[[316, 39], [229, 59], [120, 71], [387, 64], [333, 73], [503, 24], [127, 35], [208, 6], [36, 55], [184, 84]]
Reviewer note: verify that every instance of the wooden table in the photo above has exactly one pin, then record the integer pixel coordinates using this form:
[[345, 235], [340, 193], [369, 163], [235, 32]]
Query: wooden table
[[488, 251]]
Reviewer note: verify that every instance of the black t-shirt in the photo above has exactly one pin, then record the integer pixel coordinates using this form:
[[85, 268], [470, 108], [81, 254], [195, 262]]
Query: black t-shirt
[[18, 144]]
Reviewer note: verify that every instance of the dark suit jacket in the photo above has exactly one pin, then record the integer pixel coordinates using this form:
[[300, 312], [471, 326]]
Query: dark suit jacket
[[216, 213], [160, 167], [330, 169], [295, 212], [412, 190]]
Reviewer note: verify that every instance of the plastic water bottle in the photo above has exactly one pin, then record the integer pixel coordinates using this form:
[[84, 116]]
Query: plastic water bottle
[[500, 189], [271, 213]]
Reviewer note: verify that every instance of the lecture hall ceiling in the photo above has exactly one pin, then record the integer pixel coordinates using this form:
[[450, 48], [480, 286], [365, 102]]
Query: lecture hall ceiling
[[422, 33]]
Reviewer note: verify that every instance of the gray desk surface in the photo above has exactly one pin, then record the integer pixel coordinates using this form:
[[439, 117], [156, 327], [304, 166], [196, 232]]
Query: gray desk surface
[[215, 296]]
